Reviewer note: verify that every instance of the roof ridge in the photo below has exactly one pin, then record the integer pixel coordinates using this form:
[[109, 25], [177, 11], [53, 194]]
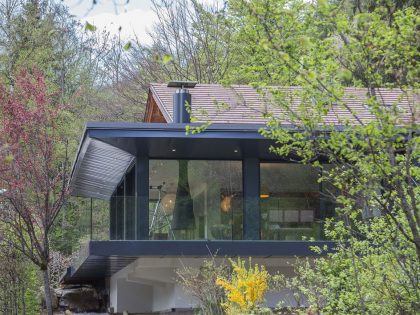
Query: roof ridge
[[276, 86]]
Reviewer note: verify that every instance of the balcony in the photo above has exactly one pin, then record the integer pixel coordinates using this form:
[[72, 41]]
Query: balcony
[[153, 191]]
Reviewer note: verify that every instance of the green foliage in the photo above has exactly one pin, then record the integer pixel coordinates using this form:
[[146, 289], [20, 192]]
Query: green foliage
[[166, 58], [20, 284], [66, 231], [376, 275], [372, 168], [32, 286], [89, 27], [127, 46]]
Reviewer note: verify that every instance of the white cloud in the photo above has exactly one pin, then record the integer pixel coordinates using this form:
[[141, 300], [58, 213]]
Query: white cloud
[[134, 22]]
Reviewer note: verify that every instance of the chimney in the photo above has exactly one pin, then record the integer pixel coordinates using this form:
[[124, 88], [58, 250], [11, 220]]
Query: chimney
[[181, 99]]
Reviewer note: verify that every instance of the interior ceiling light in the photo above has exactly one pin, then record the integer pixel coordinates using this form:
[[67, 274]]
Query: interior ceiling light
[[265, 192], [226, 203], [168, 203]]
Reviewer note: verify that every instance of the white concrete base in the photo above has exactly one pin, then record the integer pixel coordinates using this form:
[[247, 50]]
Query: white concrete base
[[149, 284]]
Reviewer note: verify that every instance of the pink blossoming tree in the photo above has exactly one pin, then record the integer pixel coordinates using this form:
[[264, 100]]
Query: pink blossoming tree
[[33, 168]]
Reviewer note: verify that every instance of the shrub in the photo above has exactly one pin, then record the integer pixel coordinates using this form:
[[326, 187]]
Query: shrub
[[200, 283], [245, 289]]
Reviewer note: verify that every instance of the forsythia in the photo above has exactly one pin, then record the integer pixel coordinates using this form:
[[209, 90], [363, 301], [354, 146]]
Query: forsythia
[[246, 289]]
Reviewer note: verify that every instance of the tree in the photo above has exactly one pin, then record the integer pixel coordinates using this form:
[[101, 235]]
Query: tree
[[73, 60], [43, 34], [191, 41], [370, 162], [34, 172], [30, 35], [19, 283]]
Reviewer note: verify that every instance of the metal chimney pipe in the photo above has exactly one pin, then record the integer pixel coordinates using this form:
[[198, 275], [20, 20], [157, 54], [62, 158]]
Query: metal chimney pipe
[[181, 101]]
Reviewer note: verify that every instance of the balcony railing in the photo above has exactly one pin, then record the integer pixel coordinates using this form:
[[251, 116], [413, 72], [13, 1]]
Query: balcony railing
[[196, 219]]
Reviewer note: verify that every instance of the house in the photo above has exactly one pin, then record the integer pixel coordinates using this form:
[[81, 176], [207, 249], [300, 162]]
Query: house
[[161, 199]]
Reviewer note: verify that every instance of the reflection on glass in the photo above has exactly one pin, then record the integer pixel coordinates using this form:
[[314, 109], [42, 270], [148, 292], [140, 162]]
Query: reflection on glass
[[100, 217], [183, 214], [122, 205], [292, 207], [94, 219], [195, 199]]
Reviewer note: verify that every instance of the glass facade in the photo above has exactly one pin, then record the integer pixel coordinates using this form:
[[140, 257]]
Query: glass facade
[[204, 199], [195, 199], [291, 202]]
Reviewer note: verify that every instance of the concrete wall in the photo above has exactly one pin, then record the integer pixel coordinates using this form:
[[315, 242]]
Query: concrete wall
[[171, 296], [149, 284], [126, 295], [134, 297]]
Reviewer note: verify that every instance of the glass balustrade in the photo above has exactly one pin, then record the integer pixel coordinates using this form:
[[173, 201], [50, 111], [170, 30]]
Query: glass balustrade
[[203, 200]]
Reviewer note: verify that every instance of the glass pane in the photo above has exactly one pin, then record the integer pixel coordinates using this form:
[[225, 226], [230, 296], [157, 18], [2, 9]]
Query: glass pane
[[100, 220], [195, 199], [291, 203], [84, 224]]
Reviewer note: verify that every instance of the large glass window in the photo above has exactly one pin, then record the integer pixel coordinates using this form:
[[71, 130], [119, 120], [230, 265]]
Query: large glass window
[[195, 199], [292, 203], [122, 209]]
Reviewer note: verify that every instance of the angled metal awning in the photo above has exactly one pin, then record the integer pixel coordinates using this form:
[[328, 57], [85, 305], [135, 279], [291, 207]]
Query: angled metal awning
[[98, 169], [108, 150]]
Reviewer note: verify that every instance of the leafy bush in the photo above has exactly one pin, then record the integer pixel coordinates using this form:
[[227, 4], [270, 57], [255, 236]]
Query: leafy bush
[[245, 289]]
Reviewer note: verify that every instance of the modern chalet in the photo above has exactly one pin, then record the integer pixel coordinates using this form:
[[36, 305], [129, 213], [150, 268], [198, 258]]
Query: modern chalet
[[158, 199]]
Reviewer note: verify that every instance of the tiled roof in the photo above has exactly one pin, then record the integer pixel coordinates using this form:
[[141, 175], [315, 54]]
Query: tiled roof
[[243, 104]]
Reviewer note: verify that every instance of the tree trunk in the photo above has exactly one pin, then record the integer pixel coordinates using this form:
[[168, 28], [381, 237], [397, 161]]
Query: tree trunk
[[47, 291], [22, 296]]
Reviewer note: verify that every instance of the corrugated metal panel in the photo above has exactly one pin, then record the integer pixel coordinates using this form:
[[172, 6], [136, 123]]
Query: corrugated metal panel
[[243, 104], [99, 169]]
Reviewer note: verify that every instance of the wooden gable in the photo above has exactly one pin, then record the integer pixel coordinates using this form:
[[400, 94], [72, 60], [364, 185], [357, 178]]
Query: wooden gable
[[153, 114]]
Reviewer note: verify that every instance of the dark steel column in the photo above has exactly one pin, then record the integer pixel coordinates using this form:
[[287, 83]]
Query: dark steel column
[[142, 198], [251, 187], [91, 219], [113, 217]]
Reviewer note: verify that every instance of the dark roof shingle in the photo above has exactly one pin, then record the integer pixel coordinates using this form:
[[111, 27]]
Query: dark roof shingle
[[243, 104]]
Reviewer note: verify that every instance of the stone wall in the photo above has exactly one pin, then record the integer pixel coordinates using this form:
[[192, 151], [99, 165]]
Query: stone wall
[[81, 299]]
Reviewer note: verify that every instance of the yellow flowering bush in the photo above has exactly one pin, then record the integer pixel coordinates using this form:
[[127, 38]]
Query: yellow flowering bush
[[246, 289]]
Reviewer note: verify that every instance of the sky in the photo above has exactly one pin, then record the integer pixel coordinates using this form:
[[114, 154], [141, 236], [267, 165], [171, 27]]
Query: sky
[[136, 17]]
